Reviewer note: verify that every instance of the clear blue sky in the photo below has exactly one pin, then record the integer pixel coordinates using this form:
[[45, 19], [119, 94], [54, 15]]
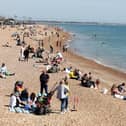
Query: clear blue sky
[[67, 10]]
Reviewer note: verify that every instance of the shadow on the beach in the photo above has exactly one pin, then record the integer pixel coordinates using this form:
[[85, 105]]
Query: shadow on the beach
[[55, 112], [6, 105], [7, 95], [80, 85], [50, 113]]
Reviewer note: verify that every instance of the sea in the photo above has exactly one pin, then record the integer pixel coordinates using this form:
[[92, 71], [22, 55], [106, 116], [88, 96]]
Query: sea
[[103, 43]]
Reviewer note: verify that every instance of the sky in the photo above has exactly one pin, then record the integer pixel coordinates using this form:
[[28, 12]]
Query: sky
[[111, 11]]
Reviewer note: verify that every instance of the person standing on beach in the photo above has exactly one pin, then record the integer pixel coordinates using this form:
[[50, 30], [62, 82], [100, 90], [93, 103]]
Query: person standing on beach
[[26, 54], [22, 52], [44, 78], [65, 47], [51, 49], [62, 95], [18, 42], [57, 42]]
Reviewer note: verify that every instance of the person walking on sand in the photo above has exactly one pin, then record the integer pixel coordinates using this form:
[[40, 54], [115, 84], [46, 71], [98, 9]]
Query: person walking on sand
[[44, 78], [62, 95]]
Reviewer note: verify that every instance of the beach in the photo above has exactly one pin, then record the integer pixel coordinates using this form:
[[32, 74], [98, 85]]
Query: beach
[[94, 108]]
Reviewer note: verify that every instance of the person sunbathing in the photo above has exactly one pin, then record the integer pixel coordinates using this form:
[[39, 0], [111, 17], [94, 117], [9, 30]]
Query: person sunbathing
[[116, 93], [121, 87]]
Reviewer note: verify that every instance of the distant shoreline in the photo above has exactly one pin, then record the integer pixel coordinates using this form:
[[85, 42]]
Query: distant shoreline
[[76, 22]]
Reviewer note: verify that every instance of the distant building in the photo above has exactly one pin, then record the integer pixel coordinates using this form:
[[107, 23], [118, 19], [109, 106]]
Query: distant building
[[9, 21], [2, 20]]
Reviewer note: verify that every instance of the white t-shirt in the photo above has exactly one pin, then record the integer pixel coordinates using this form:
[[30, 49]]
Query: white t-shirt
[[3, 70]]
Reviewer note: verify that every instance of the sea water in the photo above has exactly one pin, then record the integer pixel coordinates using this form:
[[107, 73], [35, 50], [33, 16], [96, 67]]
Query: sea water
[[104, 43]]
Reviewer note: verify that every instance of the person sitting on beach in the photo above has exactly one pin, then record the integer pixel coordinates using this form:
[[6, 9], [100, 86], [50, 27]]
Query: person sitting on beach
[[18, 86], [31, 103], [121, 87], [116, 93], [59, 57], [89, 75], [97, 83], [88, 82], [24, 95], [4, 72], [67, 69], [44, 61], [84, 79], [38, 53], [75, 74], [43, 104], [72, 76], [54, 68], [15, 103]]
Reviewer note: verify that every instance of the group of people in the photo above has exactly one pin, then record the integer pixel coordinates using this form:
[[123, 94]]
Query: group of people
[[24, 52], [30, 102], [40, 103], [86, 81], [62, 89], [22, 101]]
